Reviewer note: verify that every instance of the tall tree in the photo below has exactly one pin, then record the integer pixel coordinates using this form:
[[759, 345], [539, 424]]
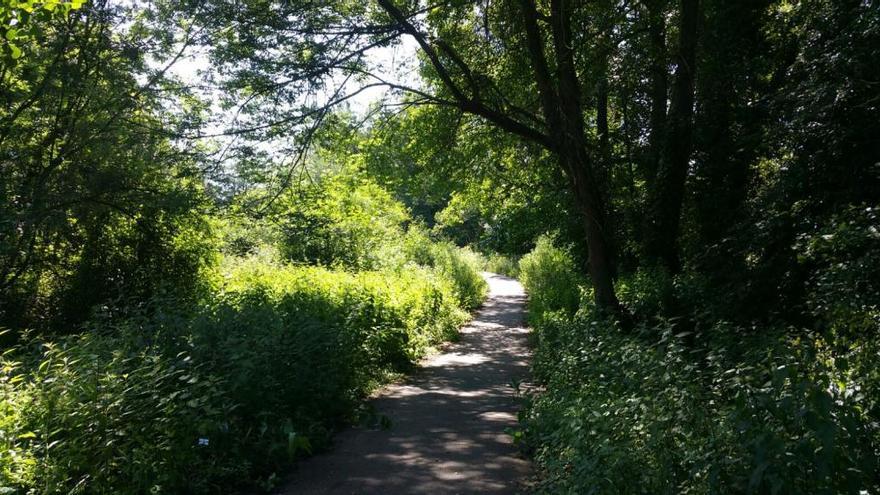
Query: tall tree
[[666, 192], [92, 203], [659, 92], [730, 117]]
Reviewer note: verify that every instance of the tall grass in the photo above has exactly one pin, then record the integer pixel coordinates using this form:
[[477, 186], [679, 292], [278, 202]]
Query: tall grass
[[548, 273], [226, 396]]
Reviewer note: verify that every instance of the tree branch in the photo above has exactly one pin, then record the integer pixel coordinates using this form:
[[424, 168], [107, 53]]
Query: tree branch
[[535, 46], [469, 105]]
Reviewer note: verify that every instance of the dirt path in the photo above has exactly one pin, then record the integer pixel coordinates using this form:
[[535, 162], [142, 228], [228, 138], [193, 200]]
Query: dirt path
[[447, 421]]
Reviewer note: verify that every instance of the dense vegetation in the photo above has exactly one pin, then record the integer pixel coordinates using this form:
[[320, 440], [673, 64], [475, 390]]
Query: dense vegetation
[[163, 333], [209, 399], [210, 253], [258, 371], [665, 408]]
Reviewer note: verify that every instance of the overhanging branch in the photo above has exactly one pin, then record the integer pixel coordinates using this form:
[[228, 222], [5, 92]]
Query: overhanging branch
[[473, 104]]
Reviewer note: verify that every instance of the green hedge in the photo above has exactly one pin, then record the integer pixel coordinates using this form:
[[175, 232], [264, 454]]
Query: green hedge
[[175, 403]]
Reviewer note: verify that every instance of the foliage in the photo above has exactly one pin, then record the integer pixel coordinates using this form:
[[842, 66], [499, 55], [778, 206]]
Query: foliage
[[843, 291], [171, 403], [460, 266], [551, 279], [95, 207], [748, 361], [499, 263], [23, 20], [342, 220], [106, 414], [659, 411], [647, 292]]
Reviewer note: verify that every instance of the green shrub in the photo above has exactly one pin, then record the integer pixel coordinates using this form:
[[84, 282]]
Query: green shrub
[[693, 406], [550, 279], [17, 462], [844, 287], [176, 403], [343, 221], [647, 292], [460, 266], [620, 415], [106, 414], [504, 265], [244, 236]]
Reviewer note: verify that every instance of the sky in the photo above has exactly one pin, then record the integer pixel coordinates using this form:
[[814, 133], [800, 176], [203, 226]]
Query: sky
[[396, 63]]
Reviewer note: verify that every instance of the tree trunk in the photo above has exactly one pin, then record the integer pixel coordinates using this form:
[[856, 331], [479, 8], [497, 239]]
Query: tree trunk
[[559, 93], [602, 122], [598, 235], [659, 86], [571, 145], [604, 163], [728, 130], [667, 192], [563, 113]]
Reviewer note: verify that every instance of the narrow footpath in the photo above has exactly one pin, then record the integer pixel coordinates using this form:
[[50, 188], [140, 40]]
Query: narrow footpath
[[448, 420]]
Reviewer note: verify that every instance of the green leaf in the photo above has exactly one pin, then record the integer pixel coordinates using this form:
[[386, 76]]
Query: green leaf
[[297, 443], [16, 51]]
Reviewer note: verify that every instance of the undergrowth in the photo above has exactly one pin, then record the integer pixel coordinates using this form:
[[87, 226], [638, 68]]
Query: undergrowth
[[204, 401], [700, 408]]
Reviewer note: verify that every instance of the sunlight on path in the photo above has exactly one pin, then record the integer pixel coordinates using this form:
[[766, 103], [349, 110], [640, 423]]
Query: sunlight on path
[[448, 420]]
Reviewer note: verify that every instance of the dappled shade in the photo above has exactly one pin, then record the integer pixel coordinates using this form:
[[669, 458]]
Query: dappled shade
[[450, 422]]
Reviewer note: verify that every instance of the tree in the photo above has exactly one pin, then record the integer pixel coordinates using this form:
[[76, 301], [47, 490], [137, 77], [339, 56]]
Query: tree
[[94, 206], [667, 189], [482, 59], [23, 21]]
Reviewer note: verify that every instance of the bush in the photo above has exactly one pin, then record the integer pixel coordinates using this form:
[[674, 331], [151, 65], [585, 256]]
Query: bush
[[342, 221], [550, 279], [620, 415], [105, 414], [844, 287], [460, 266], [723, 409], [504, 265], [647, 292], [176, 403]]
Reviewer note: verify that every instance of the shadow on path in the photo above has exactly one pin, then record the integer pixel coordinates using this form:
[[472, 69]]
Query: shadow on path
[[447, 421]]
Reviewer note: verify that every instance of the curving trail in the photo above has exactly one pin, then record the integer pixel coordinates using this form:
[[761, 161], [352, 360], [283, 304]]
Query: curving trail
[[448, 420]]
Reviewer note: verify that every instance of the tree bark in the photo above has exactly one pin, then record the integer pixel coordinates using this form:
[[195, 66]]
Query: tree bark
[[601, 254], [603, 167], [728, 130], [602, 118], [667, 192], [572, 149]]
